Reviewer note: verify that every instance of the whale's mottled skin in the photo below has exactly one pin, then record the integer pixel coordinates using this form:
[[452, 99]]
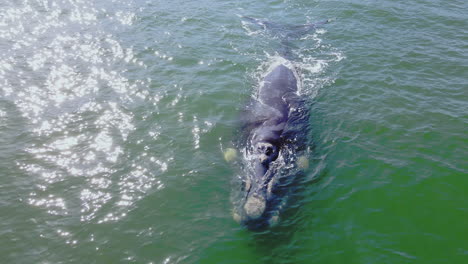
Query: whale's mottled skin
[[274, 132], [268, 115]]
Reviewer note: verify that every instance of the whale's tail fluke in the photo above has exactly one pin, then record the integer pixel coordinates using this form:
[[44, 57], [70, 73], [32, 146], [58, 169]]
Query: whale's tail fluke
[[286, 33], [287, 30]]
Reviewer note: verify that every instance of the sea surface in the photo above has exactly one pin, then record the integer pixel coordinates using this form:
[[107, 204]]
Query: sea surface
[[114, 116]]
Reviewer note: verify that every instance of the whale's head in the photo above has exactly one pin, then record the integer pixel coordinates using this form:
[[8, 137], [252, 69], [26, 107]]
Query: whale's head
[[255, 210], [266, 153]]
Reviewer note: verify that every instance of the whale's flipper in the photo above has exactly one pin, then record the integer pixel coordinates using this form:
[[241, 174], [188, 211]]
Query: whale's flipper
[[230, 154]]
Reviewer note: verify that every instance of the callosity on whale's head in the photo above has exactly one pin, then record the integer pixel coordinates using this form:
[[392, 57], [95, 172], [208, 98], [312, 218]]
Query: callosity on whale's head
[[258, 203]]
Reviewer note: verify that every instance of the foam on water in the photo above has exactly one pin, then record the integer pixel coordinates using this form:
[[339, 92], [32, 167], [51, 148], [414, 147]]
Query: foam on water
[[309, 64]]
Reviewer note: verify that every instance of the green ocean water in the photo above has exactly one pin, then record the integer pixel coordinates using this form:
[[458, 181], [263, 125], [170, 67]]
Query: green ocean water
[[114, 116]]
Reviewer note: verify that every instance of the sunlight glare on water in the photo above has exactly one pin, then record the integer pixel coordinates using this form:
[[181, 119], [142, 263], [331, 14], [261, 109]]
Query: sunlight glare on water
[[116, 117], [72, 95]]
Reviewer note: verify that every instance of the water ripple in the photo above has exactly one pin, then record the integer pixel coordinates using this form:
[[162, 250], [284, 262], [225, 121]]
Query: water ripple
[[73, 93]]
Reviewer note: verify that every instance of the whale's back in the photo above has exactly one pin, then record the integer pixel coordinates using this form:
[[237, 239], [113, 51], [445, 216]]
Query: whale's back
[[278, 85]]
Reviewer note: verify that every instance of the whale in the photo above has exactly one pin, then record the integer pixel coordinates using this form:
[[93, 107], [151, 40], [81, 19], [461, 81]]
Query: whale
[[274, 128], [269, 115]]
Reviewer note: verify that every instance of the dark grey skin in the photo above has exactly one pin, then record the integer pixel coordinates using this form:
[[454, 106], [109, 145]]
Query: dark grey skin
[[268, 117], [275, 128]]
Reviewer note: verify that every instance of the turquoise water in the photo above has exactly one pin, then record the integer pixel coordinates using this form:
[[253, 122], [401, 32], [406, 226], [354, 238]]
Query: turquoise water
[[114, 117]]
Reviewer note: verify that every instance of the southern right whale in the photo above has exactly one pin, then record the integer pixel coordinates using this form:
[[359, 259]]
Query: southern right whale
[[267, 134]]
